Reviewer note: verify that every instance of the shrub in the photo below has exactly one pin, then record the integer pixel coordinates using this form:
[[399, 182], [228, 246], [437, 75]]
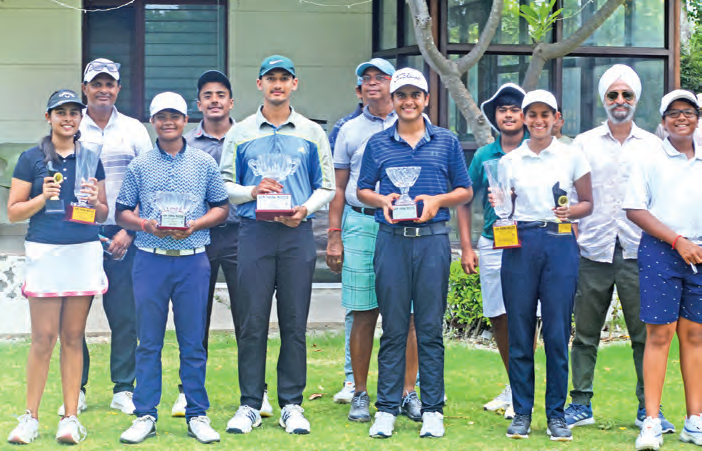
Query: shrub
[[464, 311]]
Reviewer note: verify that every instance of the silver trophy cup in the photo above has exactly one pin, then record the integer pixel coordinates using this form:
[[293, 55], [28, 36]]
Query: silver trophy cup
[[404, 178], [87, 160], [276, 166], [174, 208]]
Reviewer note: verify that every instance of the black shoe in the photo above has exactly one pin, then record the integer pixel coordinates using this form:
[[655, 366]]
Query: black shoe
[[411, 406], [520, 427], [558, 430], [359, 408]]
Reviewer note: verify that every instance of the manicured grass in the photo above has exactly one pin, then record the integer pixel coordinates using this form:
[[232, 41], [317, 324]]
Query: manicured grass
[[472, 378]]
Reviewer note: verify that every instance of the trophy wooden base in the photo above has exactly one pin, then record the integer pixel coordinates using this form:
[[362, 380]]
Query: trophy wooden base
[[160, 227], [270, 215], [80, 214]]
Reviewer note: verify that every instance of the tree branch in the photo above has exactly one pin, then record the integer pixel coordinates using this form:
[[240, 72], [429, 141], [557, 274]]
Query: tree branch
[[494, 19], [425, 39]]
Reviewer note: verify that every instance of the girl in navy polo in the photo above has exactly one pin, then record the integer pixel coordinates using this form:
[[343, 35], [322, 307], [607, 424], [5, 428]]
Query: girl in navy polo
[[63, 263], [664, 199]]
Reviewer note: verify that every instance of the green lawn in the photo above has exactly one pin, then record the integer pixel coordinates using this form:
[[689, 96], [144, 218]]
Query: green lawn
[[472, 378]]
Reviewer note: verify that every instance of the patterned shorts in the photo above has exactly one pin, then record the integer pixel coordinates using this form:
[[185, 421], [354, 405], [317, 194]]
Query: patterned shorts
[[669, 287], [357, 276]]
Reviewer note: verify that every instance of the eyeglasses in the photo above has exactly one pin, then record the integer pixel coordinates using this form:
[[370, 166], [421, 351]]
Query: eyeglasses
[[689, 113], [367, 79], [614, 95], [98, 66]]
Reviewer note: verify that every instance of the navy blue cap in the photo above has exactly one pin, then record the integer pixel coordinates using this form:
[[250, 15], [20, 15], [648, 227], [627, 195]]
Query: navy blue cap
[[61, 97]]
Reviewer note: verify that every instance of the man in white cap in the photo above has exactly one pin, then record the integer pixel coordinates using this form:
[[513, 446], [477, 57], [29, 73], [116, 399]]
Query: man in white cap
[[609, 241], [412, 257], [171, 264], [122, 139]]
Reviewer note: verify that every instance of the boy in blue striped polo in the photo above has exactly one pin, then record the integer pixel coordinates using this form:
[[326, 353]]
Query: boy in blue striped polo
[[412, 259]]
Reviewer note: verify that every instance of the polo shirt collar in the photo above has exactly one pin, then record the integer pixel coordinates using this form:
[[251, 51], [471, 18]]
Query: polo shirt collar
[[180, 152], [635, 132], [497, 145], [368, 115], [200, 130], [293, 118], [429, 132], [673, 152], [91, 122], [532, 154]]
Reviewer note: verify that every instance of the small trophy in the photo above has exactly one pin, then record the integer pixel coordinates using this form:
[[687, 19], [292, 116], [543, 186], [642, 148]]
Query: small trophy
[[560, 199], [504, 230], [404, 178], [276, 166], [87, 159], [174, 207], [54, 206]]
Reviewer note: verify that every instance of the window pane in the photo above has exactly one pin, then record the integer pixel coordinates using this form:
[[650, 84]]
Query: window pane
[[410, 38], [180, 43], [583, 75], [484, 78], [637, 23], [467, 18], [388, 24], [413, 61], [111, 36]]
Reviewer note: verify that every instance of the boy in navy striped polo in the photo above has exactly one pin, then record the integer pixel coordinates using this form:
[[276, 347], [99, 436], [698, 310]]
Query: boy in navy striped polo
[[412, 259]]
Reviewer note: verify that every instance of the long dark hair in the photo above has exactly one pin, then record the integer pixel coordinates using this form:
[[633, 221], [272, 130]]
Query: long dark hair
[[47, 148]]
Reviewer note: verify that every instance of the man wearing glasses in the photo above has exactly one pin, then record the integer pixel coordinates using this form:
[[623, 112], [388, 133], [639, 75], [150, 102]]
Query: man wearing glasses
[[609, 241]]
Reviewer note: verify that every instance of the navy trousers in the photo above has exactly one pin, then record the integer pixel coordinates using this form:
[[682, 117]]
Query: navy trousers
[[273, 257], [407, 269], [545, 268], [222, 253], [159, 280]]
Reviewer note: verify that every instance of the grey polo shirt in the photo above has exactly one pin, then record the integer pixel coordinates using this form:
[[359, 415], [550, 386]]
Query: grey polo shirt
[[199, 139]]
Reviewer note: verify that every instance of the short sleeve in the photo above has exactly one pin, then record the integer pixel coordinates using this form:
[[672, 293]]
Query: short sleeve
[[142, 140], [342, 159], [458, 172], [638, 195], [128, 197], [475, 171], [370, 172], [24, 169], [580, 164], [216, 193], [100, 172]]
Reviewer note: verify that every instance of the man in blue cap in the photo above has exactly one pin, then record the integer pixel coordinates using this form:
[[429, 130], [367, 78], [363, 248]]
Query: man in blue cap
[[275, 255]]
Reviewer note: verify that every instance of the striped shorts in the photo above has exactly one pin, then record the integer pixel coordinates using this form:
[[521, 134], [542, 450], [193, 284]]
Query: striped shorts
[[357, 276]]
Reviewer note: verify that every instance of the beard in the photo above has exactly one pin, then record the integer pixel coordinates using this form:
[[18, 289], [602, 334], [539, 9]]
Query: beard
[[617, 117]]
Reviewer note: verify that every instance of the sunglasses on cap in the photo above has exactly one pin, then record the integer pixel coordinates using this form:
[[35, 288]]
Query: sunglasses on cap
[[614, 95], [367, 79], [98, 66], [689, 113]]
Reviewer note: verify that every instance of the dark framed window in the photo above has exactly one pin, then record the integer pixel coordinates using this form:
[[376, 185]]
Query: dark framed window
[[161, 45]]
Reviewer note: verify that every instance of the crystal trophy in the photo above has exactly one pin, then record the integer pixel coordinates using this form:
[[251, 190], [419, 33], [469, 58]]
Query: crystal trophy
[[276, 166], [54, 206], [405, 209], [87, 160], [504, 229], [560, 199], [173, 208]]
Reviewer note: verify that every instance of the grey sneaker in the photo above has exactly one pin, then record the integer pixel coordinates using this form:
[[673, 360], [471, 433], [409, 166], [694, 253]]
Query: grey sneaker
[[558, 430], [411, 406], [359, 408], [520, 427]]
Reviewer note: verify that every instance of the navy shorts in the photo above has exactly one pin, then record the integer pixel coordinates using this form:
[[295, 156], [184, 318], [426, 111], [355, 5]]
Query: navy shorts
[[669, 287]]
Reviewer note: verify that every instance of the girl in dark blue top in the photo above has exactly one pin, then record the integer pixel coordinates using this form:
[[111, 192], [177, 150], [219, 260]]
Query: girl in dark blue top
[[63, 262]]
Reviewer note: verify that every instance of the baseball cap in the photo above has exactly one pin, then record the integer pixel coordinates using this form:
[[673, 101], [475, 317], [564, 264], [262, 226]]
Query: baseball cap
[[359, 81], [168, 101], [539, 96], [213, 76], [490, 106], [61, 97], [276, 62], [382, 65], [678, 94], [101, 66], [408, 76]]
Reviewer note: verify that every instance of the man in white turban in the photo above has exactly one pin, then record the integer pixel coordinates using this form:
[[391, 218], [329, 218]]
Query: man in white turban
[[609, 241]]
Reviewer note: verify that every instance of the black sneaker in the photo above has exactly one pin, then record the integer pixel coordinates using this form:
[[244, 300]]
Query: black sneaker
[[558, 430], [520, 427], [359, 408], [411, 406]]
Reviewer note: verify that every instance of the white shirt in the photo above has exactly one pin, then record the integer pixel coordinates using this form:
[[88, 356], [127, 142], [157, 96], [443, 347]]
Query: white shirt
[[532, 176], [669, 186], [611, 164], [122, 139]]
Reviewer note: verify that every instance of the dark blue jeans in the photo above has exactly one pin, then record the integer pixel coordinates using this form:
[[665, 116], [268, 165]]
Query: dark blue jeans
[[409, 269], [158, 281], [545, 268]]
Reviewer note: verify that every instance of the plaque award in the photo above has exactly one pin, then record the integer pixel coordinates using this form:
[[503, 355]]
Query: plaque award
[[404, 178], [504, 229], [87, 159], [276, 166], [173, 208], [560, 199], [54, 206]]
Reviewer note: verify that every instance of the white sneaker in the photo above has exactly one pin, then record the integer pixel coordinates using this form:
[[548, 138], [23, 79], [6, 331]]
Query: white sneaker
[[509, 412], [501, 401], [26, 431], [432, 424], [178, 409], [292, 419], [651, 435], [266, 407], [82, 405], [141, 429], [123, 401], [383, 425], [244, 420], [199, 427], [70, 431], [345, 395], [692, 432]]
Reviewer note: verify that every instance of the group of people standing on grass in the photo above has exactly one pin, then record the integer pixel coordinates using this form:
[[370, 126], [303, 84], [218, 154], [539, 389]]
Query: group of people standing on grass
[[616, 179]]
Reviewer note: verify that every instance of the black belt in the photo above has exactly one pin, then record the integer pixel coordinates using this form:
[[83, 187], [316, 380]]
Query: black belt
[[364, 210], [437, 228], [550, 226]]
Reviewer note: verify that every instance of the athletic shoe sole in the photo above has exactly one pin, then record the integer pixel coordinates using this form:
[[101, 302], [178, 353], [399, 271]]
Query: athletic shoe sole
[[585, 422], [639, 424], [381, 435], [67, 439], [298, 431], [204, 442], [239, 431], [135, 442], [266, 414], [647, 446], [430, 435], [360, 419], [558, 439], [342, 400], [689, 438], [18, 441], [415, 419], [517, 436]]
